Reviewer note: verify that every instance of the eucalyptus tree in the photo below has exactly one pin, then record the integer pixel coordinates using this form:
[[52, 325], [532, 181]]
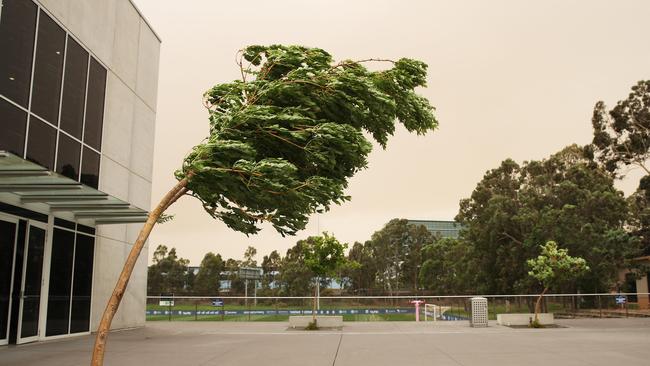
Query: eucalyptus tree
[[622, 142], [208, 279], [622, 134], [284, 140], [567, 198]]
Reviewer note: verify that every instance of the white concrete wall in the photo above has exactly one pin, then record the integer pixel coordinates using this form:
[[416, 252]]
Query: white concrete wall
[[117, 35]]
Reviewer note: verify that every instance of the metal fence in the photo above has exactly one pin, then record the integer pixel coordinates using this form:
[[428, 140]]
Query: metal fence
[[391, 308]]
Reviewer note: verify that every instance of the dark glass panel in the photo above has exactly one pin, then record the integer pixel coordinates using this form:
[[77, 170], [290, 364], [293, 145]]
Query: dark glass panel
[[33, 274], [82, 284], [86, 229], [12, 125], [95, 105], [17, 211], [67, 159], [74, 88], [64, 223], [17, 28], [41, 143], [7, 241], [48, 69], [90, 168], [58, 306]]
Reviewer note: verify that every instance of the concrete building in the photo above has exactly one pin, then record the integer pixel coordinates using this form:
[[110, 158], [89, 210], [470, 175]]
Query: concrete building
[[78, 89], [440, 228]]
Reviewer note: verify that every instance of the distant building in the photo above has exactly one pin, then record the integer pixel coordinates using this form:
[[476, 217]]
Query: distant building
[[440, 228]]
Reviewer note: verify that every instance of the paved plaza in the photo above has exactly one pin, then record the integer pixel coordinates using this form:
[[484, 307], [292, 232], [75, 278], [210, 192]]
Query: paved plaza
[[582, 342]]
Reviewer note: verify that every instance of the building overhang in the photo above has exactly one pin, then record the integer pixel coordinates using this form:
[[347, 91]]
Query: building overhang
[[30, 184]]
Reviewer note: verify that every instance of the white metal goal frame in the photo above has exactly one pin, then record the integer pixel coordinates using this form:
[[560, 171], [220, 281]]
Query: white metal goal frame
[[434, 311]]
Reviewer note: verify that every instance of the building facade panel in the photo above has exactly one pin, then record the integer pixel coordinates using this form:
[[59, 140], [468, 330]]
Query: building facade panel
[[124, 58], [119, 112], [142, 141], [148, 60]]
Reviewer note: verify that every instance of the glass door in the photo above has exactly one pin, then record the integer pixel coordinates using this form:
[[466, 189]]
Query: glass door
[[30, 294], [8, 231]]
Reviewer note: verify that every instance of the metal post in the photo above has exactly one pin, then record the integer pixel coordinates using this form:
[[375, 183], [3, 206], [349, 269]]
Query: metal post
[[223, 310], [317, 293], [196, 310], [170, 309], [600, 306], [246, 298]]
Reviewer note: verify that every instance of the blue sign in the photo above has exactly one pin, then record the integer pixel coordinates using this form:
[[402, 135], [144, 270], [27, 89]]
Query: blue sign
[[217, 302], [620, 300]]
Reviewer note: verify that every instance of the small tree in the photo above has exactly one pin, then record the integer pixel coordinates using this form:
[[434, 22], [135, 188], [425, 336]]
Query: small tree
[[324, 256], [553, 267], [284, 140]]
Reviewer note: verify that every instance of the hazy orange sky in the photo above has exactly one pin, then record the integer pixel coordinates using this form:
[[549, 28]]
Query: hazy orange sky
[[512, 79]]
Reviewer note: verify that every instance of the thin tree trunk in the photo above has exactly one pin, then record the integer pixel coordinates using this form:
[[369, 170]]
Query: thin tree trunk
[[539, 303], [114, 302]]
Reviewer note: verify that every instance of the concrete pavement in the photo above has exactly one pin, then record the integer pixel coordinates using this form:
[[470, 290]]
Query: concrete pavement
[[582, 342]]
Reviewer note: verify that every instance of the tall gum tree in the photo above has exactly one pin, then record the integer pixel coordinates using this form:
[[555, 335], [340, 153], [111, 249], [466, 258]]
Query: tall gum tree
[[284, 140]]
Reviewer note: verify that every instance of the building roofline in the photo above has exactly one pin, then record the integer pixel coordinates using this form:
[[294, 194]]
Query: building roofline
[[145, 20]]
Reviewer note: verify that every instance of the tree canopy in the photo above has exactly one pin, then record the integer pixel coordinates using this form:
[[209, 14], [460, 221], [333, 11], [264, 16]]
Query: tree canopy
[[554, 265], [622, 134], [566, 198], [286, 138]]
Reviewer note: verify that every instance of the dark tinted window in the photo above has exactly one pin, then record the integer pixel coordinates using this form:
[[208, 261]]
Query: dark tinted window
[[95, 104], [48, 69], [58, 306], [74, 88], [86, 229], [12, 125], [41, 143], [90, 168], [67, 160], [64, 223], [17, 28], [83, 284]]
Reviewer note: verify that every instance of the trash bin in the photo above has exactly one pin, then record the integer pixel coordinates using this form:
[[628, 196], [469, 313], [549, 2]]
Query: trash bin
[[479, 312]]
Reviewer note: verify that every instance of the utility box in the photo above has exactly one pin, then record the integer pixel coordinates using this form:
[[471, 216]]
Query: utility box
[[479, 312]]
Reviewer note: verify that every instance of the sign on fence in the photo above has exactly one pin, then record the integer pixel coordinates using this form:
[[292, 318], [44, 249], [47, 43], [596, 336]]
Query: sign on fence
[[621, 300], [217, 302], [281, 312], [166, 301]]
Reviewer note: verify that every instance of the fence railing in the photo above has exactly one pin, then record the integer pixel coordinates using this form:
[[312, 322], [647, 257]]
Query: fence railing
[[374, 308]]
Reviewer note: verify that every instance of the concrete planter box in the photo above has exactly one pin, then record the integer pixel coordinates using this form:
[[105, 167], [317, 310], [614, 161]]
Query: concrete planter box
[[301, 321], [524, 319]]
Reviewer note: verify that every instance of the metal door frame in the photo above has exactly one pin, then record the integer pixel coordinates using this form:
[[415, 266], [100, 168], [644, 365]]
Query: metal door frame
[[16, 221], [19, 339]]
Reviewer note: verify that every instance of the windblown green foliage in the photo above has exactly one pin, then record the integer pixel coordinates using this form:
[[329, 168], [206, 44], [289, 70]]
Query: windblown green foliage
[[286, 138], [555, 265]]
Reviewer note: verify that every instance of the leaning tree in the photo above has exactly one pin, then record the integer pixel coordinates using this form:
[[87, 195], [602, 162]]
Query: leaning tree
[[284, 140]]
